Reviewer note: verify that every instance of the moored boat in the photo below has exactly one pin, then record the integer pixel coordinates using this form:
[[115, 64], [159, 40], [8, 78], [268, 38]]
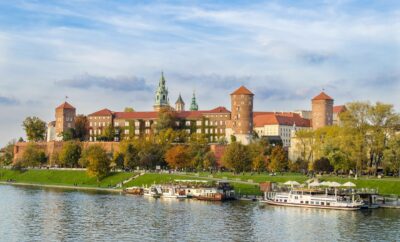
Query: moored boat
[[133, 190], [173, 192], [222, 192], [152, 191], [313, 198]]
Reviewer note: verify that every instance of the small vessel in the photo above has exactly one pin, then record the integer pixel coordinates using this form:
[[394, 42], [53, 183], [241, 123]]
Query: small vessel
[[313, 198], [152, 191], [134, 190], [173, 192], [222, 192]]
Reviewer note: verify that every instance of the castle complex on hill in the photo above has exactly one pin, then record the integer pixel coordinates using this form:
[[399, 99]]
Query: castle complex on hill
[[218, 124]]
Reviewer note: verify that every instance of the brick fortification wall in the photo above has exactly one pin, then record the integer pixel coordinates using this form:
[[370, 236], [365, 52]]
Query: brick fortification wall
[[55, 146]]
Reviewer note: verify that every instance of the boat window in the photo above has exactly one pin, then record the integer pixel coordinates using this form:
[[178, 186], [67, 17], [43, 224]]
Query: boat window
[[306, 202], [317, 203], [322, 203], [301, 201], [312, 202], [296, 197], [285, 200], [327, 204]]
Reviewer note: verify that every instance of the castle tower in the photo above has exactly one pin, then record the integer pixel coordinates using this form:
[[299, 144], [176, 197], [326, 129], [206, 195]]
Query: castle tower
[[65, 119], [179, 104], [241, 123], [322, 111], [161, 97], [193, 105]]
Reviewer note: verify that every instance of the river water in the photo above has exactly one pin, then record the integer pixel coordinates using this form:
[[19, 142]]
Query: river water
[[34, 214]]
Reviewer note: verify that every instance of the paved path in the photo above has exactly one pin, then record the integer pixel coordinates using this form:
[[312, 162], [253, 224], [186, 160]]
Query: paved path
[[220, 179]]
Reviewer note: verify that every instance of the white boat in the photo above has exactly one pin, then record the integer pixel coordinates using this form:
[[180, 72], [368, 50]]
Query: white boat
[[312, 198], [222, 192], [152, 191], [172, 192]]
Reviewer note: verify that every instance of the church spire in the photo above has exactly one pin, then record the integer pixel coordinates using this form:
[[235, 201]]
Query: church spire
[[193, 105], [161, 95], [180, 104]]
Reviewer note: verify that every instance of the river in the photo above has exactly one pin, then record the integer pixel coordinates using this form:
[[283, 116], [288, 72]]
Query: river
[[35, 214]]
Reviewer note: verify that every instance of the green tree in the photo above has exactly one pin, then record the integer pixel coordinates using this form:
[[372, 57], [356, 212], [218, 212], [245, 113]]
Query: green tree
[[70, 154], [150, 154], [279, 160], [323, 165], [97, 161], [210, 161], [81, 127], [392, 154], [237, 157], [8, 154], [118, 160], [131, 156], [129, 109], [68, 134], [166, 119], [33, 156], [35, 128]]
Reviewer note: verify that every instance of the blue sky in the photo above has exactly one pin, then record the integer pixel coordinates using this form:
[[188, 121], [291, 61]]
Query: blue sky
[[110, 53]]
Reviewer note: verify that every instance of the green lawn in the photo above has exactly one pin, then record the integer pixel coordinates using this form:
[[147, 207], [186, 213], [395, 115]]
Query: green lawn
[[58, 177]]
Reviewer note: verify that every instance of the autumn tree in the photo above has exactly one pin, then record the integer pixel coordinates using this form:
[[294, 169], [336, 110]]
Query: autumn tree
[[8, 154], [177, 157], [96, 160], [35, 128], [33, 156], [81, 127], [237, 157], [278, 160], [70, 154], [131, 157]]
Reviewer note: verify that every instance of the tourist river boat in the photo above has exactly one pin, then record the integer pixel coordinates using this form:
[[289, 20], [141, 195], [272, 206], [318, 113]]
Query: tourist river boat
[[313, 198]]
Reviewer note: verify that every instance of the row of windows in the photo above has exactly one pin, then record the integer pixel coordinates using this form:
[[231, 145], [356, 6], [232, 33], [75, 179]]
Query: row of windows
[[99, 124], [100, 117]]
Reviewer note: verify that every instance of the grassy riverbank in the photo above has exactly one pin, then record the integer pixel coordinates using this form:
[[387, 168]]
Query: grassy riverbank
[[244, 183], [62, 177]]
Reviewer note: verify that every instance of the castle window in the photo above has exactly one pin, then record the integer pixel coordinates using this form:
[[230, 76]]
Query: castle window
[[126, 131], [126, 124]]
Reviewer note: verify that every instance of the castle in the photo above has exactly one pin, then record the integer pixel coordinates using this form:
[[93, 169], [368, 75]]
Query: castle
[[241, 123]]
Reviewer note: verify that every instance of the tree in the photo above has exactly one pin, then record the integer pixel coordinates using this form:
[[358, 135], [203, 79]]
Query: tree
[[210, 161], [237, 157], [8, 154], [279, 160], [35, 128], [298, 166], [177, 157], [131, 158], [166, 119], [97, 161], [33, 156], [70, 154], [150, 154], [392, 154], [323, 165], [81, 127], [258, 151], [68, 134], [118, 160], [129, 109]]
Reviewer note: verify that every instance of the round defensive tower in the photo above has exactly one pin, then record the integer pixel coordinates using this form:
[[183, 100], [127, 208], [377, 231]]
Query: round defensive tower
[[322, 110], [241, 123]]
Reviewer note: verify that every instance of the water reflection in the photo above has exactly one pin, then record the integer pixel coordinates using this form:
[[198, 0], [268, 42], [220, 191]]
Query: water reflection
[[31, 214]]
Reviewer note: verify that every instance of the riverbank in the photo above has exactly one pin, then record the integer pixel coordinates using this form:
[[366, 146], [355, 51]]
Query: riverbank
[[99, 189], [245, 184]]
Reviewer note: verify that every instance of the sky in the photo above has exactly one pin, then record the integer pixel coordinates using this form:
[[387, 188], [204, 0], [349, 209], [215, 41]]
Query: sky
[[110, 54]]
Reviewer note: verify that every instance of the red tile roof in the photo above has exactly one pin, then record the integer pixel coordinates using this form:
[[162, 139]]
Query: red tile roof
[[182, 114], [65, 105], [339, 109], [103, 112], [322, 96], [242, 91], [288, 119]]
